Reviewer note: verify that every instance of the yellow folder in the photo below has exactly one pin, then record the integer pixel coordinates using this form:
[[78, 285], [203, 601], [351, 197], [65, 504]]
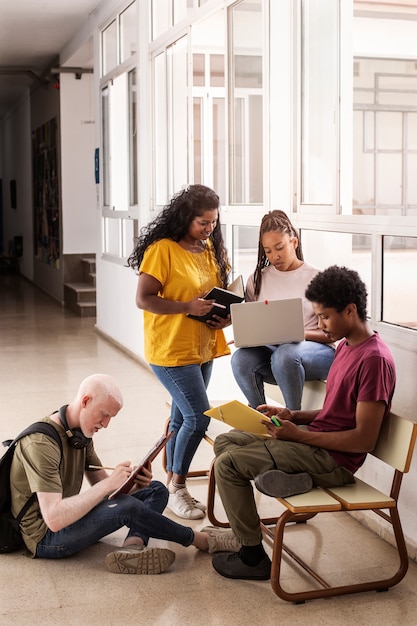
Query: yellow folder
[[239, 416]]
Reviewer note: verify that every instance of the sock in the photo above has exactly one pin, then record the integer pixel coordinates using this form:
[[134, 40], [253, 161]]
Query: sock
[[173, 486], [252, 555]]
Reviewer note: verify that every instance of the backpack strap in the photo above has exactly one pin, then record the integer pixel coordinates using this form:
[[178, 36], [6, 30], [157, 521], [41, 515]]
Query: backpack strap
[[49, 431]]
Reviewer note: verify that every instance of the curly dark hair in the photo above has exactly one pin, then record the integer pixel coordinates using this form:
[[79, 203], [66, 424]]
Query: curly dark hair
[[336, 287], [173, 222], [273, 221]]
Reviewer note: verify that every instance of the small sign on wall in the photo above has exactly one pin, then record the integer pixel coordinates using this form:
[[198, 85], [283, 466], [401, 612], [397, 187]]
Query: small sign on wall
[[97, 165]]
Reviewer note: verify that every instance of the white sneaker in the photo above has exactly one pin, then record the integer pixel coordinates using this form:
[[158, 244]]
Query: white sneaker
[[183, 505], [198, 504], [221, 539]]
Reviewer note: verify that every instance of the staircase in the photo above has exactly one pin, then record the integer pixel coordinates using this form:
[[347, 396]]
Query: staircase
[[80, 295]]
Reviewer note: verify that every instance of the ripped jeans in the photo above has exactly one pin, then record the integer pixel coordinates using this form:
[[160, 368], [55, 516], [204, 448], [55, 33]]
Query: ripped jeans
[[141, 512]]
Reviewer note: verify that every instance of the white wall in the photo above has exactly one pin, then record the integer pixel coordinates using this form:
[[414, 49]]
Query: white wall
[[79, 204], [117, 315]]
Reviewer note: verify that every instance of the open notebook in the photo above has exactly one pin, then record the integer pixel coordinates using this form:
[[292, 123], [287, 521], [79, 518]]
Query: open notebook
[[268, 322], [240, 416], [224, 297]]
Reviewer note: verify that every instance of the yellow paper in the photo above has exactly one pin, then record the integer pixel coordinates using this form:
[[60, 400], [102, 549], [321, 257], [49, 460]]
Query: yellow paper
[[240, 416]]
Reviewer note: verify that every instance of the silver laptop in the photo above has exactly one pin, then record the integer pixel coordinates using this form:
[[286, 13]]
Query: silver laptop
[[269, 322]]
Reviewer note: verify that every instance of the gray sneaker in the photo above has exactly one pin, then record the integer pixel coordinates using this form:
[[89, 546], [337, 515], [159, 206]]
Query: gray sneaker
[[221, 539], [137, 559], [279, 484]]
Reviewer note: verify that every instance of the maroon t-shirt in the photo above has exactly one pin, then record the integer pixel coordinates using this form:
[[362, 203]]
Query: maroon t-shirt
[[364, 372]]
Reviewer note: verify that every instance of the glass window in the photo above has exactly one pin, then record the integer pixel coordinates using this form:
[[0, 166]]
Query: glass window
[[198, 135], [129, 232], [324, 248], [119, 150], [105, 145], [171, 120], [319, 163], [160, 131], [177, 58], [385, 130], [219, 148], [161, 17], [180, 9], [245, 250], [246, 129], [109, 47], [133, 139], [111, 244], [128, 32], [209, 119], [199, 70], [400, 265], [216, 70]]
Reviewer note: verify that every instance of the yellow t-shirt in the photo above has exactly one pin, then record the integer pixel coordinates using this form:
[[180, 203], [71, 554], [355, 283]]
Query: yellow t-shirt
[[173, 340]]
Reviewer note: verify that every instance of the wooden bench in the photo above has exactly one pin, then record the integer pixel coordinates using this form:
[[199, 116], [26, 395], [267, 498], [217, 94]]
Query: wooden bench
[[395, 448]]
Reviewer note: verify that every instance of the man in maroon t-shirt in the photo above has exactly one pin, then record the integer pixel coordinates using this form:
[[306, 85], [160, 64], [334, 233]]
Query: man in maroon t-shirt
[[308, 448]]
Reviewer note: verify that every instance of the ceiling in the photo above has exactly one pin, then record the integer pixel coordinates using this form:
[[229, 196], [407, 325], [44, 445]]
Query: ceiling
[[32, 34]]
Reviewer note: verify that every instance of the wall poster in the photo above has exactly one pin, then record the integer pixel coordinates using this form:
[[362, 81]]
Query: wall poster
[[47, 245]]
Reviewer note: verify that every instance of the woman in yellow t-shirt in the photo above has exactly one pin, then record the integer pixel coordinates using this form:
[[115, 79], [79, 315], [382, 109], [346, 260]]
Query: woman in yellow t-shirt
[[180, 256]]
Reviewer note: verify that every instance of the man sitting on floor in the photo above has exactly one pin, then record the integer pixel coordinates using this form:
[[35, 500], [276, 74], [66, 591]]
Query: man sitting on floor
[[64, 520], [309, 448]]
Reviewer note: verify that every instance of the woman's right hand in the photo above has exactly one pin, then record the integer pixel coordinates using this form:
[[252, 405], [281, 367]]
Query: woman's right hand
[[199, 306]]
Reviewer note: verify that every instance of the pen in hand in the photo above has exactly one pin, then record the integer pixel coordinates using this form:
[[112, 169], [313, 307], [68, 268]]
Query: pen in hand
[[221, 306], [97, 467]]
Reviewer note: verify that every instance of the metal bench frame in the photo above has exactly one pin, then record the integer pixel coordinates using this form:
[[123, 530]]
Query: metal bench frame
[[395, 447]]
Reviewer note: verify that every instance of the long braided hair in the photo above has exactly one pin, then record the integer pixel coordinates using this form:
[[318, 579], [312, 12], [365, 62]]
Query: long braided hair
[[173, 222], [273, 221]]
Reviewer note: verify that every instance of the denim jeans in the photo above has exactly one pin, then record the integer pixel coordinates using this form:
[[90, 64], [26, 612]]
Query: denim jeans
[[187, 385], [141, 512], [288, 365]]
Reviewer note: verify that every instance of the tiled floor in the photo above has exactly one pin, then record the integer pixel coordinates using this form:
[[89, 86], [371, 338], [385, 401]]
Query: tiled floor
[[44, 354]]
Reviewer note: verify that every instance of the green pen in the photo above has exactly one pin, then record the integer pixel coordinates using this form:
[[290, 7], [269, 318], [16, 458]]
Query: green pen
[[275, 421]]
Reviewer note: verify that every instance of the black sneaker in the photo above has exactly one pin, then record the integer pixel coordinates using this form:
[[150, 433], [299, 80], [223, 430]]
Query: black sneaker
[[230, 565], [279, 484]]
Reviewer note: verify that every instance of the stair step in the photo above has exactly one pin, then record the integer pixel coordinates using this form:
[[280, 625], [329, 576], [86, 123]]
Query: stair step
[[86, 309], [82, 292], [89, 270], [80, 295]]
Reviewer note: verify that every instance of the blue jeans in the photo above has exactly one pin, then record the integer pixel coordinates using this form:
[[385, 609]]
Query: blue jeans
[[288, 365], [187, 385], [141, 512]]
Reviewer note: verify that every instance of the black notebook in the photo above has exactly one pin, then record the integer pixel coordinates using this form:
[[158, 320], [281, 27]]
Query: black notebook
[[224, 297]]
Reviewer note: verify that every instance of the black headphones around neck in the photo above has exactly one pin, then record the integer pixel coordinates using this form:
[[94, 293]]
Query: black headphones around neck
[[76, 437]]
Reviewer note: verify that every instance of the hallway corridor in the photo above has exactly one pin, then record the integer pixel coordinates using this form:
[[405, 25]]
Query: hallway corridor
[[45, 352]]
